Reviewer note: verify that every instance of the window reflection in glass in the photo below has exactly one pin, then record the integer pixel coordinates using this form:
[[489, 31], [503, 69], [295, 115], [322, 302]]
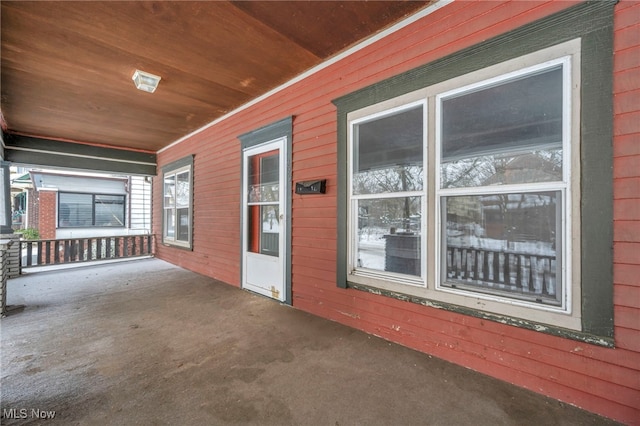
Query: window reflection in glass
[[504, 243], [169, 191], [264, 178], [389, 233], [388, 153], [182, 189], [507, 133], [170, 223], [109, 210]]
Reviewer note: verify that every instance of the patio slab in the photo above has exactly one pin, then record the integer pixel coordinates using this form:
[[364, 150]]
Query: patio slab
[[145, 342]]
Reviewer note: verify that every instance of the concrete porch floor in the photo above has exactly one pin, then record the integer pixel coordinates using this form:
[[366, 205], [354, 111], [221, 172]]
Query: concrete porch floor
[[145, 342]]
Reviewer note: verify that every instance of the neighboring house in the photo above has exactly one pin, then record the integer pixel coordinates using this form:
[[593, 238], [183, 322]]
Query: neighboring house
[[392, 126], [66, 205], [23, 206]]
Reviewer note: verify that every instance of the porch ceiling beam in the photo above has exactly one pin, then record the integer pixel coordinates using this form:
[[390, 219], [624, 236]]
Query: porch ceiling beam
[[42, 152]]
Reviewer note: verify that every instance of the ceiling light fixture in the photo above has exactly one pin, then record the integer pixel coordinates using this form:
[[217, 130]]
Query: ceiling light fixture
[[145, 81]]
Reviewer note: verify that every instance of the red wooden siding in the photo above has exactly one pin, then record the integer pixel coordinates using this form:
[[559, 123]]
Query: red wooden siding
[[602, 380]]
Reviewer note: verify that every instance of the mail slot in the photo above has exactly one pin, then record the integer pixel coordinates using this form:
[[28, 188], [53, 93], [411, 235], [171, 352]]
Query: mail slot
[[312, 187]]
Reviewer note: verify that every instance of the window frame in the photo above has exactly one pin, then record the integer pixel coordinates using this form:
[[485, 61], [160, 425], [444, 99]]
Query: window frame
[[592, 24], [93, 210], [570, 167], [367, 275], [174, 169]]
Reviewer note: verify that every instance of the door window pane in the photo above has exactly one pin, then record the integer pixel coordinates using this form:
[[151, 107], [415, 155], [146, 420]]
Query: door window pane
[[264, 178], [270, 230]]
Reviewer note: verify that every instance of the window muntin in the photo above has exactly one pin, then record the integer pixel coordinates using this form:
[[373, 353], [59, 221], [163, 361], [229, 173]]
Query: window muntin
[[77, 210], [387, 193], [493, 165], [177, 193]]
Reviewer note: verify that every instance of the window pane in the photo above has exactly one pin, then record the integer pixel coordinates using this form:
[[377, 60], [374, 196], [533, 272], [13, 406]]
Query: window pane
[[486, 170], [270, 230], [182, 189], [169, 223], [264, 178], [389, 235], [387, 153], [510, 125], [75, 210], [505, 243], [109, 210], [183, 224], [264, 230], [169, 191]]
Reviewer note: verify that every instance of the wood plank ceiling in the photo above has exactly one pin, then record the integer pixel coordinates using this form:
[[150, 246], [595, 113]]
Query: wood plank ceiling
[[66, 67]]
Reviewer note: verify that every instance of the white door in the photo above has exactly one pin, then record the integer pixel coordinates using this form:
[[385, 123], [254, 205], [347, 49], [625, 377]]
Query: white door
[[264, 248]]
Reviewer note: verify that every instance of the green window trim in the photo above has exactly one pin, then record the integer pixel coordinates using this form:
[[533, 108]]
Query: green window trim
[[592, 22]]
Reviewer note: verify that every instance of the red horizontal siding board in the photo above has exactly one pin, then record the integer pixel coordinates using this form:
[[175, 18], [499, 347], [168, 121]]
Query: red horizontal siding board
[[626, 60], [628, 338], [627, 102], [626, 253], [626, 231], [627, 295], [627, 124], [627, 37], [628, 275], [626, 209], [626, 80], [628, 318], [628, 145]]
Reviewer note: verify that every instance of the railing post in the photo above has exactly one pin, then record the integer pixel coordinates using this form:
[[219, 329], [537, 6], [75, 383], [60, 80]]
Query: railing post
[[56, 252], [29, 252], [476, 256], [506, 272]]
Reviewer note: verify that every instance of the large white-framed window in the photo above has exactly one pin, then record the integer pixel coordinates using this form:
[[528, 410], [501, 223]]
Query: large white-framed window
[[177, 203], [387, 194], [504, 186], [466, 191], [77, 210]]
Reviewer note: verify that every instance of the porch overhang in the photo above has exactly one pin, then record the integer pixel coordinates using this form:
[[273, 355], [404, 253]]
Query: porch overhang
[[42, 152]]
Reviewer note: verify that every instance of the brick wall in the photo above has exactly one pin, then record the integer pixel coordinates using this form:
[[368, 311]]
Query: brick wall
[[33, 209], [47, 214], [12, 253]]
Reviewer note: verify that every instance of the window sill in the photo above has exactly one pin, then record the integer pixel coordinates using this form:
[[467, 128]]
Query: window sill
[[606, 342]]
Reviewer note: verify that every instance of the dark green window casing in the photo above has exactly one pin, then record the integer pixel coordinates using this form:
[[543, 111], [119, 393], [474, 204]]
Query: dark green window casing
[[592, 22]]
